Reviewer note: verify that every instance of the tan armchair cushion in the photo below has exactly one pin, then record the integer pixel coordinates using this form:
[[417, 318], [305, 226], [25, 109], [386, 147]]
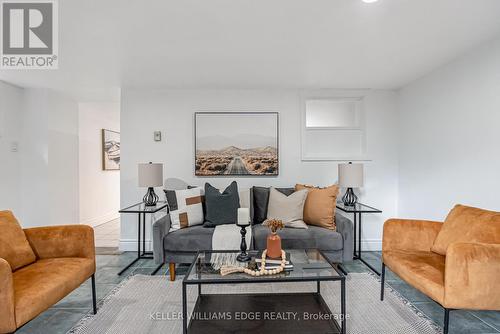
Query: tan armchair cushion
[[14, 247], [468, 224], [424, 271], [42, 284]]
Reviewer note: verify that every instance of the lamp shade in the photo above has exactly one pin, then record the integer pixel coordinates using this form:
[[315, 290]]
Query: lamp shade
[[350, 175], [150, 175]]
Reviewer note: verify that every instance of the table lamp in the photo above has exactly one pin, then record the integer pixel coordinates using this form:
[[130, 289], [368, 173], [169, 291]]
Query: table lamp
[[150, 176], [350, 176]]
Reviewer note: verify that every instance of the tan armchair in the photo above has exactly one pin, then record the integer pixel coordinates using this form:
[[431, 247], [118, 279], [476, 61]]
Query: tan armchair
[[39, 267], [456, 263]]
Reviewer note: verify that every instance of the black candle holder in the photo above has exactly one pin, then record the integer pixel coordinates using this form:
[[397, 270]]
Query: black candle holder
[[243, 256]]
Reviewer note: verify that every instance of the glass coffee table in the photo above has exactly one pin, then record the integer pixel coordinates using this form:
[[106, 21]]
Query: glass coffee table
[[268, 312]]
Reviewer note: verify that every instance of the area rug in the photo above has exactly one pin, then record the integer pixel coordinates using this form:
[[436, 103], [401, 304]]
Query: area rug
[[152, 304]]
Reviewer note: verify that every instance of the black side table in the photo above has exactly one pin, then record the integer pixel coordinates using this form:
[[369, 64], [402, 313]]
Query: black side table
[[141, 211], [357, 210]]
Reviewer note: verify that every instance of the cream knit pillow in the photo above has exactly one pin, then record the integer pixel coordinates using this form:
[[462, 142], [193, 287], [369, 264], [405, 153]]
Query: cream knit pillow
[[288, 209]]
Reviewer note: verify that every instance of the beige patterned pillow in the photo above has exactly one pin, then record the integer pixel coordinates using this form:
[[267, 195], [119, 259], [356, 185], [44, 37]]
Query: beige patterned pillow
[[189, 209]]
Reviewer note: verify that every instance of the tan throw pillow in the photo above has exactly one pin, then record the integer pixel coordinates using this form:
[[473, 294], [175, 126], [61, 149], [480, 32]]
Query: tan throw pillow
[[319, 209], [14, 247], [468, 224], [288, 209]]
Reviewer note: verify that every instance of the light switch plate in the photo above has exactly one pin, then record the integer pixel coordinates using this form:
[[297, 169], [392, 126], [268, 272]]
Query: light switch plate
[[14, 146], [157, 135]]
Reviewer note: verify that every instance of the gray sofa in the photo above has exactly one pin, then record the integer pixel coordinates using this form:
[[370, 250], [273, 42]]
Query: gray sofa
[[181, 246]]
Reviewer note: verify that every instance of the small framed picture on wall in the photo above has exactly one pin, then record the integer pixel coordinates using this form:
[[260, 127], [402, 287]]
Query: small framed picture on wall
[[110, 150]]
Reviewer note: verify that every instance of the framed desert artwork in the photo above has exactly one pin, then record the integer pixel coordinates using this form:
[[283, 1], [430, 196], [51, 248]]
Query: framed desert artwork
[[236, 143], [110, 150]]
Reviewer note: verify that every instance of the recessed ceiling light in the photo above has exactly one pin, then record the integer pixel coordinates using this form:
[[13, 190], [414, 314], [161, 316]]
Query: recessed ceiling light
[[369, 1]]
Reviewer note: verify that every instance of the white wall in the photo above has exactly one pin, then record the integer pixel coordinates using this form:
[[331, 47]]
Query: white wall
[[63, 159], [11, 108], [43, 188], [171, 111], [34, 160], [99, 190], [450, 137]]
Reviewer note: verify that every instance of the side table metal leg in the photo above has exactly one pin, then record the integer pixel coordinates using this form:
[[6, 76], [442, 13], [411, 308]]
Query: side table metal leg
[[359, 249], [128, 266], [138, 235], [359, 236], [144, 233], [355, 237], [138, 246], [343, 306], [156, 269]]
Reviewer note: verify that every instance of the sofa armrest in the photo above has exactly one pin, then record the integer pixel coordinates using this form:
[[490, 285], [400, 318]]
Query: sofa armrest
[[160, 230], [7, 315], [346, 228], [471, 276], [62, 241], [406, 234]]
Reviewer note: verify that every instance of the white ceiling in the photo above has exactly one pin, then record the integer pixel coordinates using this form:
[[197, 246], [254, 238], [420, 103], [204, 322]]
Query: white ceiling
[[107, 44]]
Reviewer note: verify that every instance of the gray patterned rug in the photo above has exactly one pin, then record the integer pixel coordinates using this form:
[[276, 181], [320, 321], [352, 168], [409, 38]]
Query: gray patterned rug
[[152, 304]]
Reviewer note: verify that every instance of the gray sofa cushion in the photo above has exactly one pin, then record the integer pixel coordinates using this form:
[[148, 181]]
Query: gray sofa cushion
[[294, 238], [189, 239]]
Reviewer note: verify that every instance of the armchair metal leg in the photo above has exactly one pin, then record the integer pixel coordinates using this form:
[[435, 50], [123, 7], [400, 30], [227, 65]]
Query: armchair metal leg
[[94, 301], [382, 282], [446, 320]]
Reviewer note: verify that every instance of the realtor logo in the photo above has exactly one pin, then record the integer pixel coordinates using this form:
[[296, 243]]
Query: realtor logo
[[29, 34]]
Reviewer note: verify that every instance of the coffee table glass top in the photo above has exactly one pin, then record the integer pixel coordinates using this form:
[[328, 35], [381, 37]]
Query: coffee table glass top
[[308, 265]]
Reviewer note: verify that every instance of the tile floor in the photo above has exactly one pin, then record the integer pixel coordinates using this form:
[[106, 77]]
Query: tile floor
[[107, 235], [65, 314]]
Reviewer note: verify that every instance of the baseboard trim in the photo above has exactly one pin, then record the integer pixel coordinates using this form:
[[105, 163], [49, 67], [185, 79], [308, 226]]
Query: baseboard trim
[[96, 221], [371, 245], [130, 245]]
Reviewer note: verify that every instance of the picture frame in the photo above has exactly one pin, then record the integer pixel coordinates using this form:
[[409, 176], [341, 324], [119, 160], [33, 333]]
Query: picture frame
[[243, 144], [110, 150]]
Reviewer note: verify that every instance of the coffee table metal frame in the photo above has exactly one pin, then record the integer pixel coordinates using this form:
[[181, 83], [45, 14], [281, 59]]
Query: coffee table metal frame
[[267, 279]]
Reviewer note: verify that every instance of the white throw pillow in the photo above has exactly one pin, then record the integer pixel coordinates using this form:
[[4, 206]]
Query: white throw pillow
[[288, 209], [189, 209]]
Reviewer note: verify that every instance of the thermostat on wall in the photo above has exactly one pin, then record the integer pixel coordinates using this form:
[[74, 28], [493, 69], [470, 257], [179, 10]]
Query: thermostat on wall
[[157, 135]]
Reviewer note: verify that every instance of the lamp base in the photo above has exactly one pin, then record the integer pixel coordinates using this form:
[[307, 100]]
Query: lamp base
[[349, 198], [150, 199]]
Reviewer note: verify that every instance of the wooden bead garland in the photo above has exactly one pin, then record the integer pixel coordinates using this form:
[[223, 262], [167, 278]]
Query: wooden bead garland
[[226, 270]]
